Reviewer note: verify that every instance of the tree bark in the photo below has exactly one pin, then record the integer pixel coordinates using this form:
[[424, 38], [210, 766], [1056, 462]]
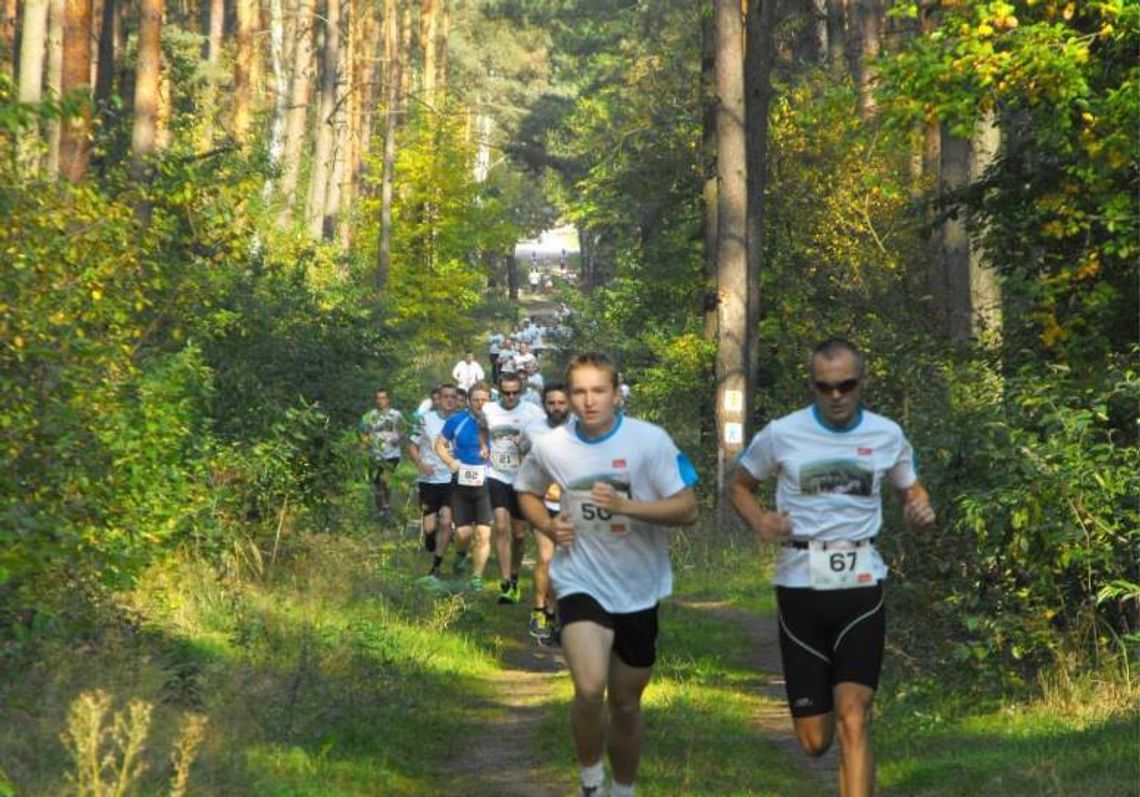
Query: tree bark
[[393, 78], [148, 72], [325, 134], [277, 39], [732, 231], [870, 39], [105, 73], [708, 170], [75, 145], [442, 47], [243, 70], [837, 35], [298, 112], [759, 34], [429, 41], [33, 40], [217, 23], [54, 84], [9, 13]]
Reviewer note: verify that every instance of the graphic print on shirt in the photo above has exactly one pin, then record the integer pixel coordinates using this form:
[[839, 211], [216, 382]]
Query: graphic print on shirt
[[587, 515], [504, 445], [837, 477]]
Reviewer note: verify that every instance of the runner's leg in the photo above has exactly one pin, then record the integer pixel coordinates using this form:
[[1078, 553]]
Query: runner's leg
[[627, 724], [587, 647], [856, 760]]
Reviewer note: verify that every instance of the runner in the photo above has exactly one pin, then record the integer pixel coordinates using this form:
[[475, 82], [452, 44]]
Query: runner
[[505, 422], [623, 482], [494, 343], [543, 619], [467, 372], [435, 481], [381, 432], [462, 445], [829, 461]]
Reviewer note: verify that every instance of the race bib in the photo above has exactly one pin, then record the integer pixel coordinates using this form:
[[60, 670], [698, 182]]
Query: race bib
[[471, 475], [840, 564], [587, 516], [506, 460]]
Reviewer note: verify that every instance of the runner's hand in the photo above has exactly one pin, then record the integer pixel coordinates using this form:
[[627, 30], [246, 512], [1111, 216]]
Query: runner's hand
[[425, 468], [561, 530], [775, 527], [917, 509], [606, 496]]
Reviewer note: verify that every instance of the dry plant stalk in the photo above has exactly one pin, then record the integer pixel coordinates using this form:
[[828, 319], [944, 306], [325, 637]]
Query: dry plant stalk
[[193, 732]]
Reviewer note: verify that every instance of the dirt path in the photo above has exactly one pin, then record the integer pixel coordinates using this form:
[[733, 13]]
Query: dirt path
[[763, 655], [502, 762]]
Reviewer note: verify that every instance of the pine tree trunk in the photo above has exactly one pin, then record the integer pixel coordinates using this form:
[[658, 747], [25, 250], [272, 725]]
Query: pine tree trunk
[[9, 11], [106, 72], [837, 35], [148, 72], [429, 41], [758, 84], [870, 39], [217, 22], [298, 111], [75, 146], [325, 134], [442, 48], [54, 83], [708, 169], [33, 50], [732, 230], [393, 78], [243, 70], [277, 37]]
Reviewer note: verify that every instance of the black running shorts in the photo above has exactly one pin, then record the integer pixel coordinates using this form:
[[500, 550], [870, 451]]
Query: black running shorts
[[635, 633], [503, 496], [829, 637], [434, 497], [470, 506]]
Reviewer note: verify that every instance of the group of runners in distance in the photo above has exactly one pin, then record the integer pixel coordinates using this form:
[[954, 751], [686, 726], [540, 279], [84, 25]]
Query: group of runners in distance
[[602, 490]]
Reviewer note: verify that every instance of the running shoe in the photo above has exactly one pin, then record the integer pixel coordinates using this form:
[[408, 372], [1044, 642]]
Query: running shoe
[[461, 564], [506, 594], [515, 593], [429, 541], [476, 584], [540, 627], [592, 791]]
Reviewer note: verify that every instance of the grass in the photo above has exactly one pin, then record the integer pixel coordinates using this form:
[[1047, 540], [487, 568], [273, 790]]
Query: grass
[[331, 673]]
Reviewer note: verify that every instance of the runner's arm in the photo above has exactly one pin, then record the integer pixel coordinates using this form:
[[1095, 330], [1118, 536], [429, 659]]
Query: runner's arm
[[916, 505], [444, 451], [767, 525], [557, 528], [679, 509]]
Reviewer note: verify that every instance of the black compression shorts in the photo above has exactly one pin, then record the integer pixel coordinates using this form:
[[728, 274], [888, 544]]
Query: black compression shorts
[[434, 497], [470, 506], [503, 496], [829, 637]]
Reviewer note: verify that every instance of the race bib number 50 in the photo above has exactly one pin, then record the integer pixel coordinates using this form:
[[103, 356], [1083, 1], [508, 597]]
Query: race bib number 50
[[588, 516], [841, 565]]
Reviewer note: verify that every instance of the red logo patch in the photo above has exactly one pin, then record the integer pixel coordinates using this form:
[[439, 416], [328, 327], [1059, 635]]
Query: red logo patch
[[864, 452], [864, 578], [619, 463]]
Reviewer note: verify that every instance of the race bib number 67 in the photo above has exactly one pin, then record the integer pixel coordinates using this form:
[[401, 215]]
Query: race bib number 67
[[841, 565]]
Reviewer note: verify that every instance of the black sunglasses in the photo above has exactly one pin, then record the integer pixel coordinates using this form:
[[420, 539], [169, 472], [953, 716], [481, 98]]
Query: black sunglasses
[[508, 392], [846, 386]]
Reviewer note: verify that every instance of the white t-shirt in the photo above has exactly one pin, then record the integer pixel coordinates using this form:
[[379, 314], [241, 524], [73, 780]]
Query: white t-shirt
[[466, 373], [829, 481], [427, 429], [540, 427], [504, 433], [621, 562]]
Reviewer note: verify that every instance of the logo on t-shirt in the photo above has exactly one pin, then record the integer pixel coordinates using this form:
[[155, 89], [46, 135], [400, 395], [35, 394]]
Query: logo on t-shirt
[[619, 463], [863, 451]]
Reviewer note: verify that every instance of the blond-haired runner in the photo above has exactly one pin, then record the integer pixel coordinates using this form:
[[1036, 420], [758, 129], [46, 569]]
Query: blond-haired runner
[[624, 482]]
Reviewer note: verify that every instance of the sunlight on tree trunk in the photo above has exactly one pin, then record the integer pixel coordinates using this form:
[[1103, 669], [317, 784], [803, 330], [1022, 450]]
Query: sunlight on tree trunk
[[732, 231], [75, 145], [298, 111], [54, 84], [870, 14], [324, 135], [243, 70], [144, 136], [392, 77], [33, 39]]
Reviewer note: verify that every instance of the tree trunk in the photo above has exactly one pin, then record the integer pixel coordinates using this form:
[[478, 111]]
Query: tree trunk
[[758, 84], [732, 231], [837, 35], [148, 72], [325, 134], [33, 40], [407, 41], [429, 41], [870, 38], [243, 70], [105, 74], [281, 86], [54, 83], [298, 105], [348, 128], [708, 171], [217, 23], [442, 48], [9, 12], [75, 145], [392, 77]]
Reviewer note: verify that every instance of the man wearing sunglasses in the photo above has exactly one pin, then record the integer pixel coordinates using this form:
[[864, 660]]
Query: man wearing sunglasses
[[506, 420], [829, 461]]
